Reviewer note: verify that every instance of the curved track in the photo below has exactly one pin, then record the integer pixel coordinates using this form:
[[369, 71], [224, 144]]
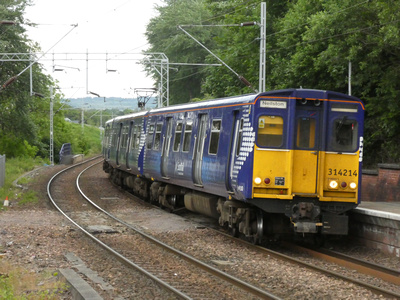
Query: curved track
[[362, 266], [195, 286]]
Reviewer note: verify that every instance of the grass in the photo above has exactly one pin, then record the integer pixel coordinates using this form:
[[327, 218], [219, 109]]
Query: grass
[[19, 284], [15, 168]]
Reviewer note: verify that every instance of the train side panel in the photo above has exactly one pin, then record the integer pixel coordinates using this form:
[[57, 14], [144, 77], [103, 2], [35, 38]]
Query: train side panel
[[124, 142], [200, 150]]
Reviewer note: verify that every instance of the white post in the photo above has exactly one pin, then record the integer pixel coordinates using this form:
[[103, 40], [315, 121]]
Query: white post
[[87, 71], [51, 128], [350, 78], [82, 117], [263, 25], [30, 74]]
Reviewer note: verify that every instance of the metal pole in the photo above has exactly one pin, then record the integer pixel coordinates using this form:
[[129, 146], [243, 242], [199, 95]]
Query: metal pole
[[87, 72], [51, 128], [263, 25], [350, 78], [159, 100], [30, 75], [82, 118]]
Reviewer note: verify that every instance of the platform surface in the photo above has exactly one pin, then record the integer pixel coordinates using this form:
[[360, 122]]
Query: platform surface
[[389, 210]]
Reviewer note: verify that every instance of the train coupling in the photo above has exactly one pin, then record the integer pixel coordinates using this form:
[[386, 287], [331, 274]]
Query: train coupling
[[305, 217], [307, 227]]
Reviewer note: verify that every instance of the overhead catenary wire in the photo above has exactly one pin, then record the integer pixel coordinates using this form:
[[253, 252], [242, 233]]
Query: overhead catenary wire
[[240, 77], [12, 79]]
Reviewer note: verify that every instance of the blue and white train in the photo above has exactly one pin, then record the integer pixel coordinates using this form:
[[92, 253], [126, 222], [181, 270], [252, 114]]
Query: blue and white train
[[263, 164]]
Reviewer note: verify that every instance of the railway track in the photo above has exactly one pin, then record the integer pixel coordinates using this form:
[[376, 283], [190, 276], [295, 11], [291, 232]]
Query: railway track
[[360, 265], [389, 275], [188, 278]]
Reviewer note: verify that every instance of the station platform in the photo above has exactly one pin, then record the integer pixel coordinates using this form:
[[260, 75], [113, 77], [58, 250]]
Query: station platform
[[389, 210], [377, 225]]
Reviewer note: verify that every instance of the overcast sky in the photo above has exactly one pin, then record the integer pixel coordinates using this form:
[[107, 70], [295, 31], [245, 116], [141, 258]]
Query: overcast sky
[[104, 26]]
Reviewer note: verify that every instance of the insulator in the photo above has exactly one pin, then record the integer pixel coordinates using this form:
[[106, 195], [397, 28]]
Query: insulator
[[248, 24]]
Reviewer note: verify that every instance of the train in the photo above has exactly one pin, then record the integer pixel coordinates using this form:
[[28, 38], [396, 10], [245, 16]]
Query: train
[[266, 165]]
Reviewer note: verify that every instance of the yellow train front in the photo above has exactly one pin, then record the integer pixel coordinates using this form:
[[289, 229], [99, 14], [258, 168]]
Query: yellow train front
[[307, 160]]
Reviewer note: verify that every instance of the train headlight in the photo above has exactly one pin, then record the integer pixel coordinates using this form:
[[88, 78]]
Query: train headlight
[[257, 180], [353, 185], [333, 184]]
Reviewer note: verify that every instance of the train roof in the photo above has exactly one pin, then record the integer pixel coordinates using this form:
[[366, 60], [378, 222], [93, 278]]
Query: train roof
[[241, 99], [206, 103], [129, 116]]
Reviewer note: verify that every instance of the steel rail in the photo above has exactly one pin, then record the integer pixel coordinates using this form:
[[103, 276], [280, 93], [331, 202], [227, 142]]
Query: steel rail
[[233, 280], [105, 246], [387, 274], [372, 288]]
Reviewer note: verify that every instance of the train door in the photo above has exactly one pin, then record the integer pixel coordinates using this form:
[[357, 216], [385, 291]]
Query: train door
[[307, 147], [165, 148], [129, 144], [198, 149], [118, 145], [236, 140], [123, 145]]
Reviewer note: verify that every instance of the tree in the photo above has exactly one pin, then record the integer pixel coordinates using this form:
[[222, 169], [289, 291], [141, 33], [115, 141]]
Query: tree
[[163, 36], [316, 41], [309, 44], [18, 109]]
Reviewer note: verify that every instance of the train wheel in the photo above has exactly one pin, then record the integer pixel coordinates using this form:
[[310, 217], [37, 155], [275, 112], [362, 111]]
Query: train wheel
[[173, 200], [258, 235], [234, 231]]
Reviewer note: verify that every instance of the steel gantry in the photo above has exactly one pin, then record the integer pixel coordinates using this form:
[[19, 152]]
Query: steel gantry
[[160, 63]]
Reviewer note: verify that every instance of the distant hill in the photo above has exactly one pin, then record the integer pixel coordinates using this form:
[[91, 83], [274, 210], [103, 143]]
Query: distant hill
[[109, 103]]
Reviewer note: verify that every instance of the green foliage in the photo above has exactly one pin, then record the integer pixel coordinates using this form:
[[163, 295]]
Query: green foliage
[[309, 44], [19, 284], [163, 35], [28, 197], [15, 168], [13, 146], [318, 40], [6, 289]]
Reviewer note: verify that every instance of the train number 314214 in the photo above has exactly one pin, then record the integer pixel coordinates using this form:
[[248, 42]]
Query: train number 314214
[[342, 172]]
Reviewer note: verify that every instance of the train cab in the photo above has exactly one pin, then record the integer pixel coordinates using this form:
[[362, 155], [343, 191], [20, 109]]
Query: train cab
[[308, 151]]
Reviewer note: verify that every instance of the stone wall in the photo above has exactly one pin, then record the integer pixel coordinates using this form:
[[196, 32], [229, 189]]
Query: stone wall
[[382, 185]]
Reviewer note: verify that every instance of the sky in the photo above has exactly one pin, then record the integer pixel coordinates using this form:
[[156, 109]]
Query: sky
[[102, 53]]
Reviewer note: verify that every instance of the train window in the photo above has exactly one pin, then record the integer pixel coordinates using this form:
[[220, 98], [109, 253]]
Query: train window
[[150, 136], [187, 136], [214, 140], [134, 137], [124, 140], [344, 107], [178, 135], [138, 133], [270, 131], [157, 139], [239, 140], [305, 133], [345, 135]]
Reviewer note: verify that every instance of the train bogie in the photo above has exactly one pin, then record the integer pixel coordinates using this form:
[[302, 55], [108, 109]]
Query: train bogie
[[258, 163]]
